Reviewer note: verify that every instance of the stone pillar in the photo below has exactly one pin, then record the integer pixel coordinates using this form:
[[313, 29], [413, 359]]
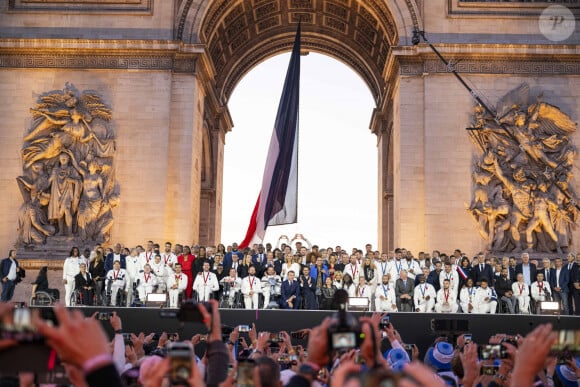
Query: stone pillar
[[409, 163], [211, 192], [386, 214], [184, 155]]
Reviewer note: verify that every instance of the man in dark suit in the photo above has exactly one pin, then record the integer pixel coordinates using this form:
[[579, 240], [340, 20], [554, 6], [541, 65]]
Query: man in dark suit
[[404, 289], [574, 286], [503, 288], [570, 266], [482, 271], [559, 279], [527, 269], [546, 270], [290, 292], [10, 274], [228, 256], [260, 257], [115, 256], [85, 285], [433, 277]]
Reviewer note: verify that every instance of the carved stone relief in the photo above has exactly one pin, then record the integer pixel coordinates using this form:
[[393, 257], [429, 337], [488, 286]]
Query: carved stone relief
[[522, 196], [68, 183]]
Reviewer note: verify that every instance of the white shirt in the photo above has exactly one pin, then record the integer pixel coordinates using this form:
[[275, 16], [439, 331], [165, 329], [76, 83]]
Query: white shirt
[[251, 283], [205, 280], [448, 296], [146, 257], [453, 278], [146, 280], [133, 266], [422, 291], [118, 277], [71, 267], [12, 271], [177, 279], [385, 291]]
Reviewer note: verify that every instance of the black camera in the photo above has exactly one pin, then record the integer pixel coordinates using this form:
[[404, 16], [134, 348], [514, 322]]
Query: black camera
[[344, 333], [188, 312]]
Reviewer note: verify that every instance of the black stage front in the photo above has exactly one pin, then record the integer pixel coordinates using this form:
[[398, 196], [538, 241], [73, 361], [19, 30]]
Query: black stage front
[[413, 327]]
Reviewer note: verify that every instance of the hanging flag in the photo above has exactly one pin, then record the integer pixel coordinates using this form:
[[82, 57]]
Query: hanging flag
[[277, 201]]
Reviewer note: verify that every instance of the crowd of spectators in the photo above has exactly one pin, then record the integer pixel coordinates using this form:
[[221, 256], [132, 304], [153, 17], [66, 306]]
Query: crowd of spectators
[[304, 276], [245, 356]]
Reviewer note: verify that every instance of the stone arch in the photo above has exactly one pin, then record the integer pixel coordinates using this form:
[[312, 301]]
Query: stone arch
[[239, 34]]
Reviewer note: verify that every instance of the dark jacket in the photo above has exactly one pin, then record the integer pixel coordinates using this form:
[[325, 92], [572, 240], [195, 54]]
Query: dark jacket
[[502, 285], [288, 290], [519, 269]]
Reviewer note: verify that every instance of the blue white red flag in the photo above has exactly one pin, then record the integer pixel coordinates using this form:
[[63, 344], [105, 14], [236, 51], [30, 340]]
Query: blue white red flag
[[277, 202]]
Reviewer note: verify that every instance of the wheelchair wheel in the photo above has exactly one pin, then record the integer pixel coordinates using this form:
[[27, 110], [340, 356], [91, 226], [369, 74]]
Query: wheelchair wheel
[[41, 299], [75, 298]]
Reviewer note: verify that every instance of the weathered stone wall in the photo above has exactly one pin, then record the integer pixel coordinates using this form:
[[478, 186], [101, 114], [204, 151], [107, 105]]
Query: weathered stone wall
[[434, 154], [155, 118]]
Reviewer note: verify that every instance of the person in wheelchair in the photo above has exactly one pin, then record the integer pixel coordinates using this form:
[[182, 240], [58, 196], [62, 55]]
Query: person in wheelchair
[[41, 285], [205, 283], [231, 287], [271, 284], [176, 284], [84, 286], [116, 281], [146, 282]]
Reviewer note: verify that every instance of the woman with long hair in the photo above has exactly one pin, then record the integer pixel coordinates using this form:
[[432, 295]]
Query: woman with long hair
[[186, 260], [244, 267], [41, 284], [337, 281], [97, 270], [327, 294]]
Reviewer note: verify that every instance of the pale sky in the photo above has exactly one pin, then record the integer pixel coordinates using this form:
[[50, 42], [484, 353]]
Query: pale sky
[[337, 166]]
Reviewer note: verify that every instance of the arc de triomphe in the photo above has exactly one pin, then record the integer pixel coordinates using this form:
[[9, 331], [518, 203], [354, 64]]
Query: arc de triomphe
[[166, 69]]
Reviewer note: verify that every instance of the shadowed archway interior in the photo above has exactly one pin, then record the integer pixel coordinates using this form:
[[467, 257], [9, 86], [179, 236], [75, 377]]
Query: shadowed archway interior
[[239, 34]]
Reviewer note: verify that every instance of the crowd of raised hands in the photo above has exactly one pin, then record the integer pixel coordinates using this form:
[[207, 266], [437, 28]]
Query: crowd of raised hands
[[260, 358]]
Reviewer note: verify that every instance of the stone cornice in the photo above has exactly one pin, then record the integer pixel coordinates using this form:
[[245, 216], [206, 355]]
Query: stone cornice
[[485, 59], [100, 54]]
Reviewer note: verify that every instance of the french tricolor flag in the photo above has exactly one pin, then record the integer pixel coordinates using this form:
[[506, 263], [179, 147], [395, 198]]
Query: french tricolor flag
[[278, 198], [461, 272]]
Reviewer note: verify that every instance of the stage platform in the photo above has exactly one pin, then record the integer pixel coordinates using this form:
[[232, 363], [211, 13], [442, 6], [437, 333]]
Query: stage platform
[[414, 327]]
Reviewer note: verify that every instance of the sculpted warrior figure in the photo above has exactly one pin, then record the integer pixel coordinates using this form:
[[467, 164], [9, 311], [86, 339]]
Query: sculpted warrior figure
[[530, 156], [70, 138], [65, 192]]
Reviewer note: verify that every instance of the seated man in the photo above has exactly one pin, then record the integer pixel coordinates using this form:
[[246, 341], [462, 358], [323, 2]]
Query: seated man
[[385, 300], [485, 298], [446, 299], [290, 292], [424, 296], [270, 285], [160, 270], [116, 279], [404, 291], [503, 287], [540, 289], [363, 290], [232, 285], [467, 297], [146, 281], [85, 286], [176, 283], [522, 294]]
